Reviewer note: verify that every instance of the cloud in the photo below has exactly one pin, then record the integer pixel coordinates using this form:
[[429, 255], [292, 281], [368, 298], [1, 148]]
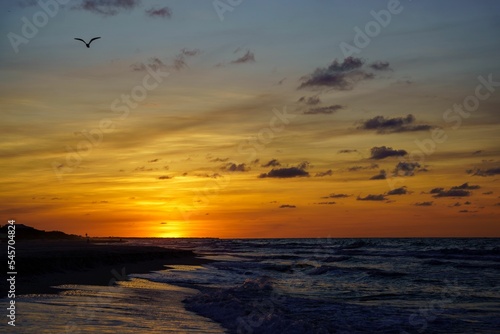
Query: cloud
[[324, 110], [466, 186], [163, 12], [339, 76], [153, 63], [382, 175], [398, 191], [232, 167], [154, 160], [486, 172], [347, 151], [424, 203], [326, 203], [248, 57], [288, 172], [322, 174], [451, 193], [218, 159], [380, 66], [272, 163], [310, 101], [372, 198], [163, 223], [107, 7], [356, 168], [383, 152], [179, 61], [333, 195], [393, 125], [287, 206], [406, 168], [165, 177], [477, 152]]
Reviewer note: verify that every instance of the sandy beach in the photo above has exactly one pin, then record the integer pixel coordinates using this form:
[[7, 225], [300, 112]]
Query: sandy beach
[[41, 265]]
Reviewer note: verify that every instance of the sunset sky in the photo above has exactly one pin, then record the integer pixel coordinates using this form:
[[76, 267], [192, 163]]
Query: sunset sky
[[257, 119]]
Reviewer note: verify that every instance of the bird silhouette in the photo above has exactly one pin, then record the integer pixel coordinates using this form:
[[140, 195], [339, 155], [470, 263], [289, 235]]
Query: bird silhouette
[[87, 44]]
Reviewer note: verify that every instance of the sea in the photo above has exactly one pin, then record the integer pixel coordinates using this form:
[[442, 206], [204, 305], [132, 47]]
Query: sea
[[324, 285]]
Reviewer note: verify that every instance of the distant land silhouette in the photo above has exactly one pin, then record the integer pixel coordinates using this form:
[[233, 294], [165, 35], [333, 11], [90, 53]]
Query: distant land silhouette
[[24, 232]]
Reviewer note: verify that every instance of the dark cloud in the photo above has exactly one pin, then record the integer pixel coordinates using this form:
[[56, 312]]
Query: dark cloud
[[288, 172], [339, 76], [287, 206], [406, 168], [154, 160], [356, 168], [143, 169], [372, 198], [179, 61], [380, 66], [383, 152], [326, 203], [333, 195], [164, 177], [322, 174], [163, 12], [398, 191], [304, 165], [436, 190], [212, 176], [486, 172], [488, 193], [324, 110], [393, 125], [424, 203], [218, 159], [163, 223], [248, 57], [347, 151], [382, 175], [310, 101], [477, 152], [272, 163], [232, 167], [107, 7], [153, 63], [452, 193], [466, 186]]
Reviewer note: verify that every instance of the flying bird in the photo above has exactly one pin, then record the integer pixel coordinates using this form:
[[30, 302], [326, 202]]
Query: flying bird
[[87, 44]]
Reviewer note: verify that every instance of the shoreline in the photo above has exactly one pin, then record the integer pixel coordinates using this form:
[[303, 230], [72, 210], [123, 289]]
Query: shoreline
[[41, 264]]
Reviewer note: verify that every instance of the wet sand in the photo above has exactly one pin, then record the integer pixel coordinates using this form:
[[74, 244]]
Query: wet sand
[[41, 265]]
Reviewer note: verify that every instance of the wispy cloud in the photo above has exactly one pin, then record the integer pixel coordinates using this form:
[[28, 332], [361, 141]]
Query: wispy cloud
[[428, 203], [107, 7], [326, 173], [163, 12], [393, 125], [485, 172], [248, 57], [338, 75], [371, 197], [287, 206], [324, 110], [310, 101]]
